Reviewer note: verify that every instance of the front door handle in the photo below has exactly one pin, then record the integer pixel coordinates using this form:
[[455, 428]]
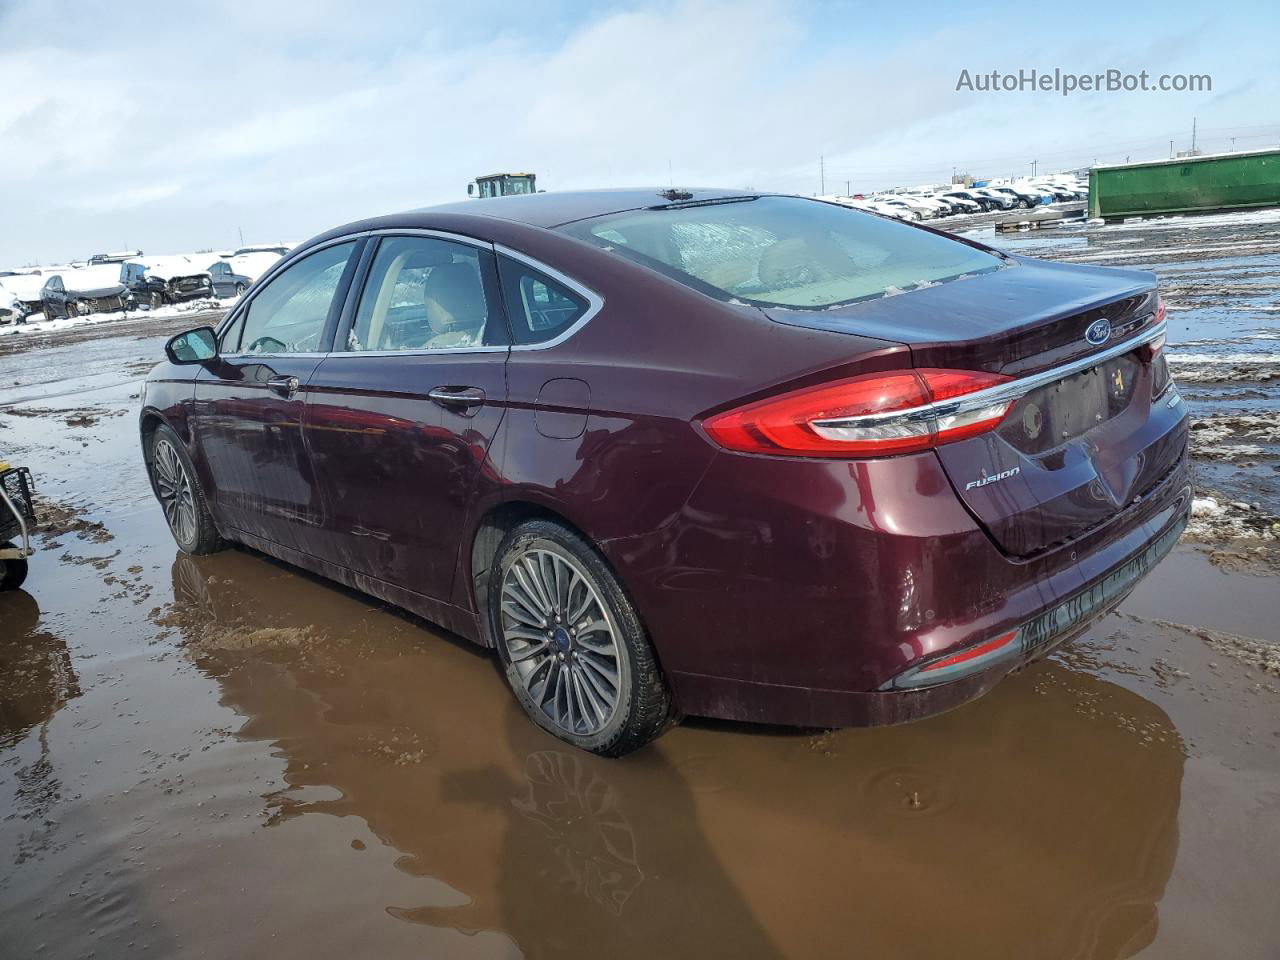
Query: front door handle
[[458, 397], [287, 387]]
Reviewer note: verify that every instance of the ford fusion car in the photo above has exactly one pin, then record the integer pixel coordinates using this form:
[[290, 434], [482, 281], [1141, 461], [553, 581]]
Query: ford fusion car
[[702, 452]]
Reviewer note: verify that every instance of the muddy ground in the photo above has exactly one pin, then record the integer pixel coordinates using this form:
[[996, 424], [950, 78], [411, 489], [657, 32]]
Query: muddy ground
[[225, 757]]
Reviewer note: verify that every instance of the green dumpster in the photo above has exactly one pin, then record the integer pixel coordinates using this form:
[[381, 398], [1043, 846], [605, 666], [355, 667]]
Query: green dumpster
[[1225, 181]]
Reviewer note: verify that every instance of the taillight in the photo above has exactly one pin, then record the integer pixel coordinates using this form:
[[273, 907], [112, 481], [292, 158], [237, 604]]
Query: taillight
[[1153, 353], [872, 415]]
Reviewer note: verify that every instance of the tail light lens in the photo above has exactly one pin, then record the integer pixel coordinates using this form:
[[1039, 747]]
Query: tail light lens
[[872, 415], [1153, 353]]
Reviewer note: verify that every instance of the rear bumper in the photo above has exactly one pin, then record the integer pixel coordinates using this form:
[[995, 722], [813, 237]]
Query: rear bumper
[[838, 584]]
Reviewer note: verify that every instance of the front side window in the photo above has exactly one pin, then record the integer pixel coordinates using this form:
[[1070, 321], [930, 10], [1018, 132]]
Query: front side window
[[289, 314], [785, 251], [540, 308], [424, 293]]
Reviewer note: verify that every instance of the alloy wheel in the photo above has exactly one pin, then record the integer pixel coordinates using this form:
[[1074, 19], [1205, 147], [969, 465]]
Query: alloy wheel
[[561, 640], [173, 488]]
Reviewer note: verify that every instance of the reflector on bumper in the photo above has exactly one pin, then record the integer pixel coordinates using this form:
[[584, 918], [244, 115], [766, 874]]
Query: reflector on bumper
[[1073, 613]]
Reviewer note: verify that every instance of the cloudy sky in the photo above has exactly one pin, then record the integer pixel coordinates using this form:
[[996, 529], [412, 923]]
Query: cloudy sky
[[179, 126]]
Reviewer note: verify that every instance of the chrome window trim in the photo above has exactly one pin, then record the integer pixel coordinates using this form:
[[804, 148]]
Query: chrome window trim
[[452, 351], [1003, 392], [267, 356], [429, 232], [280, 265], [595, 302], [418, 352]]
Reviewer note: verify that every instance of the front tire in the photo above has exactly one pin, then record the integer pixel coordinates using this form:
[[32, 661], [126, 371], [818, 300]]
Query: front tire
[[174, 481], [12, 572], [571, 644]]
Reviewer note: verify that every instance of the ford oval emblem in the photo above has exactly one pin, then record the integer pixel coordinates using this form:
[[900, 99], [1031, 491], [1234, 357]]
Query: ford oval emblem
[[1099, 332]]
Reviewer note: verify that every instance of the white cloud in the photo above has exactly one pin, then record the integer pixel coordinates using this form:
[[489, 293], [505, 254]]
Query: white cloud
[[174, 128]]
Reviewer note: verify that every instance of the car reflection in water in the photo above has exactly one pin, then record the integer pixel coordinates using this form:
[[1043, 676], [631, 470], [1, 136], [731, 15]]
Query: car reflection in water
[[1029, 823]]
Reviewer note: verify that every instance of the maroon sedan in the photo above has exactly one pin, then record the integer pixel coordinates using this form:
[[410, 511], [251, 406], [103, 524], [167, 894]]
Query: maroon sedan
[[735, 455]]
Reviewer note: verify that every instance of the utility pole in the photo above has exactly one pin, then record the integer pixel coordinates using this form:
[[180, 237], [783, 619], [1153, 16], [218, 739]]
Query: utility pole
[[1033, 168], [1170, 149], [822, 176], [240, 230], [847, 191], [1193, 136], [1233, 144]]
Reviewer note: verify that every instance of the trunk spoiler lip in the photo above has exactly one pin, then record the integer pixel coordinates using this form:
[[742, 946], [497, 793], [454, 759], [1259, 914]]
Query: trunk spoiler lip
[[1006, 392]]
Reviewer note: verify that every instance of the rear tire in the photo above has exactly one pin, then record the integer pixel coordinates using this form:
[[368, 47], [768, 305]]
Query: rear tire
[[177, 488], [12, 572], [239, 289], [571, 644]]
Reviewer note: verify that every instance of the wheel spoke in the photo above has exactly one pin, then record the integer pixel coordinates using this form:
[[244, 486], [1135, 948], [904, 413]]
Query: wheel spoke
[[569, 700], [536, 583], [589, 695], [521, 633], [546, 578], [536, 601], [517, 613], [607, 673], [596, 643], [575, 614], [594, 682], [537, 687], [525, 602], [531, 651]]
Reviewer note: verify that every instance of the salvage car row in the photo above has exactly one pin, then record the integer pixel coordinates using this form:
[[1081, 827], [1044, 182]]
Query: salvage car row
[[931, 203], [111, 282]]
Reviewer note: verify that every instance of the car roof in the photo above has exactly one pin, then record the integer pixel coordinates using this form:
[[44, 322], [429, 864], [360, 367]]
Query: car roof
[[555, 208]]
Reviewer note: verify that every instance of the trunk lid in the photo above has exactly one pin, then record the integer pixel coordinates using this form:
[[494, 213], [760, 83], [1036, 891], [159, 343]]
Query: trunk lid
[[1027, 316], [1076, 450]]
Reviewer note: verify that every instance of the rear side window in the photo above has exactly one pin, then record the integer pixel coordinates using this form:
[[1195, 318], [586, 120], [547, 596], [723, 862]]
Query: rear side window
[[785, 251], [425, 293], [540, 307], [289, 314]]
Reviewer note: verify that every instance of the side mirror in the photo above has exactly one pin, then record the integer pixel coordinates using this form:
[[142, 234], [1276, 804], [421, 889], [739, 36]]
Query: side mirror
[[194, 346]]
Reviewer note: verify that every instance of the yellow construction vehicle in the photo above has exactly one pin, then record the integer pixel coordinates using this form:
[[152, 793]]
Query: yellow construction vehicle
[[502, 185]]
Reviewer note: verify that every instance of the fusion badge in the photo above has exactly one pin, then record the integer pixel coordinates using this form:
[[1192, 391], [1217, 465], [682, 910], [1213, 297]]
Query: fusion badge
[[1002, 475]]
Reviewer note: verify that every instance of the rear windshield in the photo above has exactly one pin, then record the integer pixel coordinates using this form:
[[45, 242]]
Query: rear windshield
[[785, 251]]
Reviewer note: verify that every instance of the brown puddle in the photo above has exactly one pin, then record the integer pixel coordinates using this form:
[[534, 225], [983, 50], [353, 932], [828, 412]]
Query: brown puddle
[[224, 757], [1040, 821]]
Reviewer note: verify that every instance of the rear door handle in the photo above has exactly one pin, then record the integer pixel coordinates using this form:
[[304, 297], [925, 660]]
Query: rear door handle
[[287, 387], [463, 398]]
